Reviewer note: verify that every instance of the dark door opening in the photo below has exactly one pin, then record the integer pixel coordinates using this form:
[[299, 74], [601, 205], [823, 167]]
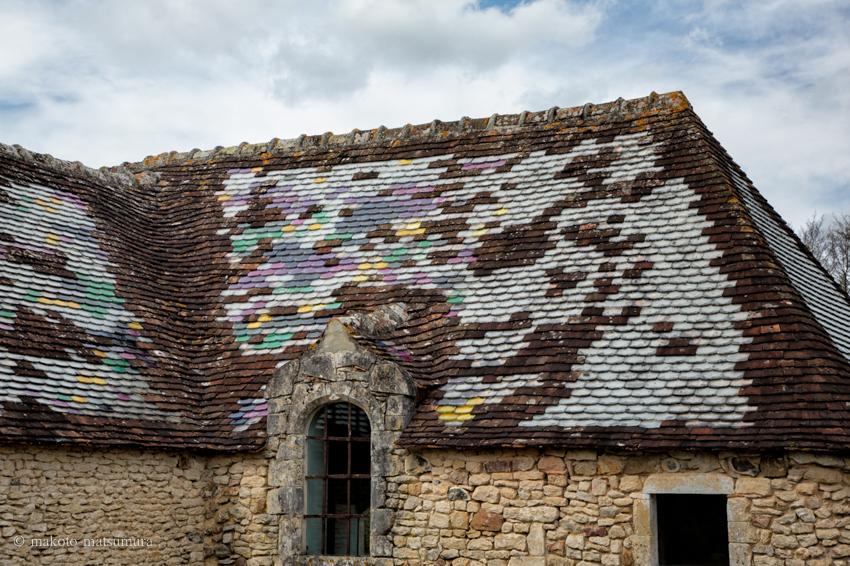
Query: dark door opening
[[692, 530]]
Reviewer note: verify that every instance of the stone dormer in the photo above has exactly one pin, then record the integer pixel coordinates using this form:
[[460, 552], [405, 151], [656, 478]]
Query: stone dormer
[[339, 368]]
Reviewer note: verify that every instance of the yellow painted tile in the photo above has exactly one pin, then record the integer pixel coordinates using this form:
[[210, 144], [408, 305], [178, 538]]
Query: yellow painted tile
[[60, 303], [448, 417], [403, 233], [478, 233], [501, 211], [40, 202], [98, 381], [315, 226], [364, 266], [98, 353], [265, 317], [305, 308], [465, 417], [50, 209], [256, 169], [83, 379], [224, 197], [405, 161], [56, 201], [135, 326], [417, 231], [74, 305], [45, 301], [446, 409], [361, 278], [413, 225], [464, 409], [254, 324], [78, 399], [320, 179], [475, 401], [289, 228], [381, 265]]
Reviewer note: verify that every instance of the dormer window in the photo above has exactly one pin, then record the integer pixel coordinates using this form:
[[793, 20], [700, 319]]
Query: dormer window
[[338, 482]]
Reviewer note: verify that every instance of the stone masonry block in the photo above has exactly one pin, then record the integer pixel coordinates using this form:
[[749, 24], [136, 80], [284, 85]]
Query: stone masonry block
[[291, 500], [382, 521], [738, 509], [319, 365], [388, 378], [527, 561], [741, 532], [281, 384], [740, 554], [273, 502], [757, 486]]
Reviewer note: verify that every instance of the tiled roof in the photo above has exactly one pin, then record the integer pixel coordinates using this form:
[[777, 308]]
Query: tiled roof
[[602, 275]]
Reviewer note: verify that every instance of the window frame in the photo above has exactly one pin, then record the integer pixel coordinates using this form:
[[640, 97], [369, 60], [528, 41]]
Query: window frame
[[324, 516]]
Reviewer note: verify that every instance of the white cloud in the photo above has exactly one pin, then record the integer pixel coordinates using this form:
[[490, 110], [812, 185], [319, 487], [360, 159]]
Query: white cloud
[[105, 82]]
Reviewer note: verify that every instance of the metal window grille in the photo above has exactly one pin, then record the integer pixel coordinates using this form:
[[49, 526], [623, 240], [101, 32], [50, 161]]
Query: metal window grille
[[338, 479]]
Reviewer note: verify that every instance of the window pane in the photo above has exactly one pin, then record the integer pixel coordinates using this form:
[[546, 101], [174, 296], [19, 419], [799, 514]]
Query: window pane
[[337, 457], [359, 537], [338, 419], [313, 535], [360, 495], [315, 457], [314, 497], [360, 423], [337, 535], [317, 427], [337, 497], [361, 460]]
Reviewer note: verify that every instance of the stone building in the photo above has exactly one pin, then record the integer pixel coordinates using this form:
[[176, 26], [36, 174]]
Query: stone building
[[565, 338]]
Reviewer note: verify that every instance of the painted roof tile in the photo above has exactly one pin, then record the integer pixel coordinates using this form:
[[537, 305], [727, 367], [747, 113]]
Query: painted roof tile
[[606, 279]]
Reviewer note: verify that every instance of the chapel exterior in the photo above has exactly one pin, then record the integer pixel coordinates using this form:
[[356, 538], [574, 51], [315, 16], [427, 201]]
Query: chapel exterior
[[563, 338]]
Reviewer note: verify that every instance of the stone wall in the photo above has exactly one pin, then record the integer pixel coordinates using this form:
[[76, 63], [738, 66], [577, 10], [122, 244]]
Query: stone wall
[[74, 505], [444, 507], [580, 508]]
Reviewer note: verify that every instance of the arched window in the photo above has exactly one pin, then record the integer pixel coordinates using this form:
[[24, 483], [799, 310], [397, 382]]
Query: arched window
[[336, 517]]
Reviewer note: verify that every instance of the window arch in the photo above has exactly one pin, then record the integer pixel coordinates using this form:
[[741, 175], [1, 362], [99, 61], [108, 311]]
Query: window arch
[[338, 482]]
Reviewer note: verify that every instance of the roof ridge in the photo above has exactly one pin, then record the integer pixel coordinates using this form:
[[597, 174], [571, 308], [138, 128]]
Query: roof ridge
[[113, 176], [620, 108]]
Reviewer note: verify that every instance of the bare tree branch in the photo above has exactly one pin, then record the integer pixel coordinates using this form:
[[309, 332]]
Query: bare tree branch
[[829, 242], [839, 249]]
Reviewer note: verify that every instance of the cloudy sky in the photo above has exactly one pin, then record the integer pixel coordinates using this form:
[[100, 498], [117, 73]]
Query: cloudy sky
[[105, 82]]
